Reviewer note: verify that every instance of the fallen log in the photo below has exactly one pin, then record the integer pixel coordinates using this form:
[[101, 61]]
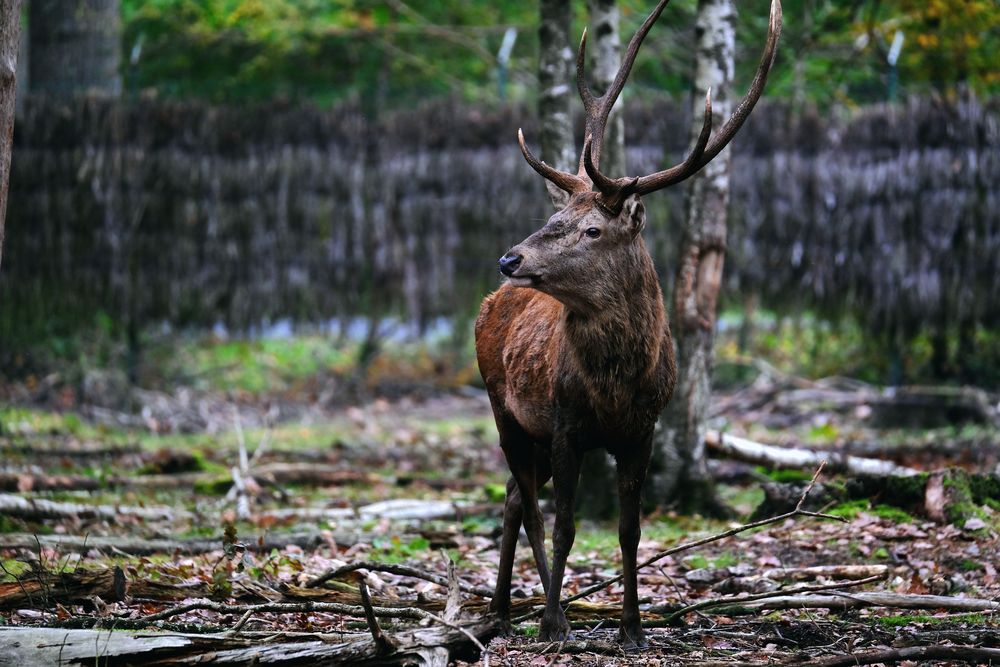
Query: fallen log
[[845, 601], [278, 473], [39, 509], [138, 546], [422, 646], [801, 459]]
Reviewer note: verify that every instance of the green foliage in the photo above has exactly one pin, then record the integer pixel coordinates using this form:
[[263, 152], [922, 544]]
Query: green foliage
[[394, 550], [396, 53]]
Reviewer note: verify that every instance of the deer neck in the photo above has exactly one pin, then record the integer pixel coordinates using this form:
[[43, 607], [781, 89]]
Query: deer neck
[[615, 347]]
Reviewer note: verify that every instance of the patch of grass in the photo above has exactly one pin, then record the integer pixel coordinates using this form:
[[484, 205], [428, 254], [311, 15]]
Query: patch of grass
[[11, 569], [970, 565], [254, 366]]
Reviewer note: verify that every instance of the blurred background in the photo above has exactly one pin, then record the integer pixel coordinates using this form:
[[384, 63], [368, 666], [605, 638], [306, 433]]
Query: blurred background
[[193, 181]]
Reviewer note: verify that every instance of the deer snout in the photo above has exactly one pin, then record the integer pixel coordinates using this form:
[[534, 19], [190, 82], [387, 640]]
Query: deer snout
[[509, 263]]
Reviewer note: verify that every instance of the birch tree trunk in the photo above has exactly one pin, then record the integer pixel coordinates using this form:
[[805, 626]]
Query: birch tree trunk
[[604, 43], [680, 476], [75, 46], [555, 76], [605, 57], [10, 29]]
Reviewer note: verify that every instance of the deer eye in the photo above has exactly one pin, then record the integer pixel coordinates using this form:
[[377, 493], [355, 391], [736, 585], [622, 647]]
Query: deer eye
[[593, 232]]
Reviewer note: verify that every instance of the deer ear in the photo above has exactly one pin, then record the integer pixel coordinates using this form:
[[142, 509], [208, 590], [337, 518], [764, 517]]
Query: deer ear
[[634, 214], [557, 195]]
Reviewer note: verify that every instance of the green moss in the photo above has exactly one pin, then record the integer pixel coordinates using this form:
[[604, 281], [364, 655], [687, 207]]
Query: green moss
[[785, 476], [891, 513], [881, 553], [984, 487], [215, 486], [906, 491], [970, 565], [849, 510], [900, 621]]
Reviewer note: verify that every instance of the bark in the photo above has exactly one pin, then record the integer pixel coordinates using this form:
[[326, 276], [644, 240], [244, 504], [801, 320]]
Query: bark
[[680, 475], [10, 40], [420, 646], [75, 47], [555, 68]]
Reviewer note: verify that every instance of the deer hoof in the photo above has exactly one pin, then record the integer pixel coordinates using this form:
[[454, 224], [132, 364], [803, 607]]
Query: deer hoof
[[632, 637], [554, 628]]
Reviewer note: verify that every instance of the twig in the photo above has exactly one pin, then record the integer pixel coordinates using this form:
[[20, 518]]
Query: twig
[[414, 613], [736, 600], [798, 511], [383, 644], [401, 570]]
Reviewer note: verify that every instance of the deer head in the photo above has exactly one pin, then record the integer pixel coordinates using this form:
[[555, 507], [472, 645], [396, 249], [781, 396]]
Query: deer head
[[596, 233]]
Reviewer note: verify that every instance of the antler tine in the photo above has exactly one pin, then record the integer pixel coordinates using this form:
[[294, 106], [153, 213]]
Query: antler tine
[[599, 109], [567, 182], [678, 173], [581, 78], [746, 105]]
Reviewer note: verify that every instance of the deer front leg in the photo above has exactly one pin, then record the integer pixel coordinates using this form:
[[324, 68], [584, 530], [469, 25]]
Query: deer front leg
[[631, 475], [529, 472], [565, 476]]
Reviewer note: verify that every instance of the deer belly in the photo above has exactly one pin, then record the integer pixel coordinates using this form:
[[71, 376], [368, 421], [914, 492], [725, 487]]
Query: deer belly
[[534, 416]]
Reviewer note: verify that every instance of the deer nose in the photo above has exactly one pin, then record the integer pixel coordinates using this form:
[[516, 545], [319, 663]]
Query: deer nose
[[509, 263]]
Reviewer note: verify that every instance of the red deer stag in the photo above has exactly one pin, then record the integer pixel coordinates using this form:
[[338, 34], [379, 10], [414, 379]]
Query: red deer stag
[[584, 359]]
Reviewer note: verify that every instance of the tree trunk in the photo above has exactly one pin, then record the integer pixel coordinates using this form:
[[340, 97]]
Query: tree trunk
[[10, 30], [598, 471], [555, 60], [75, 47], [680, 475], [606, 49]]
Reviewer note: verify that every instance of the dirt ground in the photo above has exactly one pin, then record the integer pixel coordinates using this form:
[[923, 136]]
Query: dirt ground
[[197, 497]]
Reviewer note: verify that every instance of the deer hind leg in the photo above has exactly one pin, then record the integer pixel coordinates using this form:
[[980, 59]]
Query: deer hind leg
[[631, 475]]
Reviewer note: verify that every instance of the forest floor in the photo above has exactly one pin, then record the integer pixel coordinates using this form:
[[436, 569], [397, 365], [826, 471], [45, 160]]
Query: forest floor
[[197, 510]]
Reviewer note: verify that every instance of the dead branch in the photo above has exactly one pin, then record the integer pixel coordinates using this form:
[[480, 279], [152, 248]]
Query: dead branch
[[400, 570], [969, 654], [780, 457], [412, 613], [737, 600], [687, 546], [382, 643], [844, 601], [826, 572]]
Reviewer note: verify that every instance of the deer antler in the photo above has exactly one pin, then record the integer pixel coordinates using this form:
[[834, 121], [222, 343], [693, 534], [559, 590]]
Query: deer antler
[[614, 191]]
